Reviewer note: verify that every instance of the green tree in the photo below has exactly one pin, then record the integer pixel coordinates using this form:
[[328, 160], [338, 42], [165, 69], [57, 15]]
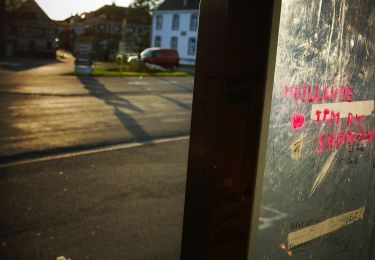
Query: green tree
[[148, 5]]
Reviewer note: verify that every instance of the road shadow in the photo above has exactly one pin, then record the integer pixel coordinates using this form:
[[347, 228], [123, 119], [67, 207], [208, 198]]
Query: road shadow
[[175, 101], [22, 64], [98, 90], [170, 99], [188, 89]]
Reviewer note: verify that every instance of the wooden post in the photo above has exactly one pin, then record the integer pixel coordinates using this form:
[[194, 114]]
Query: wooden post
[[229, 94]]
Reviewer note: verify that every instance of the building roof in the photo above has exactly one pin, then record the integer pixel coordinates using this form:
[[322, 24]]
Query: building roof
[[114, 11], [29, 6], [179, 5]]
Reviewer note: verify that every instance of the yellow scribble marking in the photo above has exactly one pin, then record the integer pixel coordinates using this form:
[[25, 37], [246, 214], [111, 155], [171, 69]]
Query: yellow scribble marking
[[296, 149]]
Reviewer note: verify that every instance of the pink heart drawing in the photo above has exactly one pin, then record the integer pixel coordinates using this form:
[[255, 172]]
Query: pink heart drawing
[[298, 120]]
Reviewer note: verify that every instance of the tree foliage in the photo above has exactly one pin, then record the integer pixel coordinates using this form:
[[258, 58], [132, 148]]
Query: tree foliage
[[12, 4], [148, 5]]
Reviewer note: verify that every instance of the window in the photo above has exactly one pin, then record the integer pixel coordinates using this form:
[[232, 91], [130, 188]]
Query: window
[[191, 46], [175, 22], [146, 53], [157, 41], [159, 22], [174, 42], [193, 22], [101, 27]]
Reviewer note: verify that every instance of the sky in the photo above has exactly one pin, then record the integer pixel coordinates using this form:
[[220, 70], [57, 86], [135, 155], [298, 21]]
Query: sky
[[61, 9]]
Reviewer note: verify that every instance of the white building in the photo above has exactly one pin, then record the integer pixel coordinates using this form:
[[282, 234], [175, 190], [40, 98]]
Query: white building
[[175, 25]]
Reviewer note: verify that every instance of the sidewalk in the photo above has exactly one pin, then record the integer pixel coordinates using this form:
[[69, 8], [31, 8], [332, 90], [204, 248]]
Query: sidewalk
[[120, 204]]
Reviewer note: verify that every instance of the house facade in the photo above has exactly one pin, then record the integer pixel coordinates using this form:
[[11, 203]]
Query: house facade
[[29, 31], [175, 25], [112, 29], [111, 25]]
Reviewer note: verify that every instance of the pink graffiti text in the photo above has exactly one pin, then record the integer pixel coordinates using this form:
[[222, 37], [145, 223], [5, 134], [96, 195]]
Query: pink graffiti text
[[351, 119], [310, 94], [335, 140]]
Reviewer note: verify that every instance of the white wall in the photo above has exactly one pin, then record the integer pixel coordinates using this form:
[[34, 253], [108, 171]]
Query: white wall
[[166, 33]]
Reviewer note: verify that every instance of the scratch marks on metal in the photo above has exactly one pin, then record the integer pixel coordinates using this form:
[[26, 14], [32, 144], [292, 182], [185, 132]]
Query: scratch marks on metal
[[345, 108], [320, 9], [341, 23], [328, 226], [266, 222], [323, 172], [332, 28]]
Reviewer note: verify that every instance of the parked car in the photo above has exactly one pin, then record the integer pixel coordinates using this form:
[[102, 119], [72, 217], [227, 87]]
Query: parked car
[[122, 57], [167, 58]]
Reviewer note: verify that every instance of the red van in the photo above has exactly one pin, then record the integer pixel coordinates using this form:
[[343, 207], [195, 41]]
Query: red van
[[167, 58]]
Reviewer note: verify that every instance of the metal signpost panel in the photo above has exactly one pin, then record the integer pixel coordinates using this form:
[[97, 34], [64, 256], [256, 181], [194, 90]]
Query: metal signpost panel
[[318, 192]]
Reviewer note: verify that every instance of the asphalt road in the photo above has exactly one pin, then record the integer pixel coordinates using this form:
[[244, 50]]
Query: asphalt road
[[85, 203], [44, 111], [119, 204], [70, 192]]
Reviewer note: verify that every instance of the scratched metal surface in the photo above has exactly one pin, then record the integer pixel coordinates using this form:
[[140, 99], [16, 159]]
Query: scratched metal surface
[[320, 42]]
